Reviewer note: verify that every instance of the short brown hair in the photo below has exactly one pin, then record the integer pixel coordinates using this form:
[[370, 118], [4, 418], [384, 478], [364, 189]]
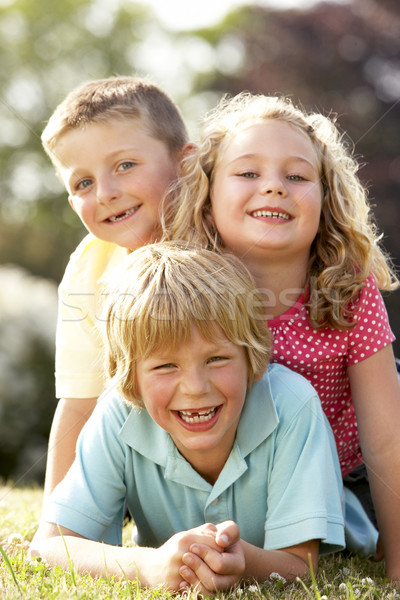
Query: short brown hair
[[117, 97], [162, 291]]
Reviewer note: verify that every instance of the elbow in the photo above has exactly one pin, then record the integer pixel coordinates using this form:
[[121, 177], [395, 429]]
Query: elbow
[[39, 546], [37, 549], [305, 569]]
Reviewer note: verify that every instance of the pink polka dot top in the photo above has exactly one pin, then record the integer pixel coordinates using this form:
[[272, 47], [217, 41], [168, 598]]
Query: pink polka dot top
[[323, 355]]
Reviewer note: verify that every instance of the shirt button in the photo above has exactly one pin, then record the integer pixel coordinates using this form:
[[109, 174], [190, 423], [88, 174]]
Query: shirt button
[[214, 502]]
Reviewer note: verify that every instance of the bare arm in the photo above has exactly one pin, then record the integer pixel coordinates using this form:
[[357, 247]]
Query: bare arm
[[243, 561], [376, 396], [151, 566], [70, 416]]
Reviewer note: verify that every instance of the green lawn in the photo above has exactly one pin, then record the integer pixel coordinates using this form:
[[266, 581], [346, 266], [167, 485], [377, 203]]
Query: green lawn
[[338, 577]]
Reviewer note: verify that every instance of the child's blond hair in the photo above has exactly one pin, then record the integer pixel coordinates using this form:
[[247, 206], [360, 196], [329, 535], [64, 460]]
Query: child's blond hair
[[346, 249], [134, 98], [165, 289]]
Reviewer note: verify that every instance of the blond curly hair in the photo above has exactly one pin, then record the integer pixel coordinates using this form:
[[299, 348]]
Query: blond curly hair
[[346, 248]]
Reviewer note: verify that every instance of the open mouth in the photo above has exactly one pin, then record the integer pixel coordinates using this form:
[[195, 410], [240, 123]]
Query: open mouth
[[201, 416], [271, 215], [123, 215]]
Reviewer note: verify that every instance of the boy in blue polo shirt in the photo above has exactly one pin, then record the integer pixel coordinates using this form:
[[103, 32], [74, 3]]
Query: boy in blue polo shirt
[[229, 470]]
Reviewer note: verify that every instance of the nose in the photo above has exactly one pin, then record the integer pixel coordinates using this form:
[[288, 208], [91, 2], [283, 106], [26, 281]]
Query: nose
[[194, 382], [273, 185], [107, 190]]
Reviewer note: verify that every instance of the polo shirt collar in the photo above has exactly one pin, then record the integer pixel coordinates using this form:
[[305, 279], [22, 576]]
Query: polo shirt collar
[[258, 420]]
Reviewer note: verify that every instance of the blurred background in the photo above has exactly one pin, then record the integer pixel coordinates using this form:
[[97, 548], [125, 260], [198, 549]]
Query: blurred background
[[340, 58]]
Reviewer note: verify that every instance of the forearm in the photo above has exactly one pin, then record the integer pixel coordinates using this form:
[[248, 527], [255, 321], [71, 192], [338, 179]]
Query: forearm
[[69, 418], [385, 491], [152, 567], [376, 397], [96, 558], [261, 563]]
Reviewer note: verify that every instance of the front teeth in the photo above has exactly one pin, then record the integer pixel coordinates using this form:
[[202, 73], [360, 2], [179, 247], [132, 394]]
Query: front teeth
[[197, 417], [270, 214], [123, 216]]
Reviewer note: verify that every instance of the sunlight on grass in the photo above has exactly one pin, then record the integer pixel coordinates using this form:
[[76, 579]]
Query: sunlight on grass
[[338, 578]]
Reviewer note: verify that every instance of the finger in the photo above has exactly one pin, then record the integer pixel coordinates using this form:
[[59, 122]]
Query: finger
[[192, 581], [208, 528], [200, 535], [205, 534], [199, 574], [228, 533], [188, 575], [221, 563], [210, 580], [230, 563]]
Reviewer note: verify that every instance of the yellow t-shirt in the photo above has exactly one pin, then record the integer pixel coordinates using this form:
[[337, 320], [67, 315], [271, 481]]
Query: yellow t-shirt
[[79, 352]]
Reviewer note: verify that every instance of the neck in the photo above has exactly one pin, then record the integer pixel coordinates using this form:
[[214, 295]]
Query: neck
[[281, 283], [209, 468]]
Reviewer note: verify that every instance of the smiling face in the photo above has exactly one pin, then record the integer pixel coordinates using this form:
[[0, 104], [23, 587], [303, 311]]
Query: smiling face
[[116, 175], [266, 192], [196, 393]]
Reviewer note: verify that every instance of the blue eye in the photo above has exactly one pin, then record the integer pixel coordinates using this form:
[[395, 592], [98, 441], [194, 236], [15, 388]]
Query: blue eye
[[85, 183], [126, 165]]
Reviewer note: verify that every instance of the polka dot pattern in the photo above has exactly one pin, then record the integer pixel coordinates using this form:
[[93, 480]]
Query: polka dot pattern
[[322, 356]]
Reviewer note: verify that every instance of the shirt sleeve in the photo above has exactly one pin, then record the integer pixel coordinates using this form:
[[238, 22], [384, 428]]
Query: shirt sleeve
[[79, 349], [372, 332], [305, 499], [90, 499]]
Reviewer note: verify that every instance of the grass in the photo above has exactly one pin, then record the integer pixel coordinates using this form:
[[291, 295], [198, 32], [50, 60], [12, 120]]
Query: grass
[[339, 577]]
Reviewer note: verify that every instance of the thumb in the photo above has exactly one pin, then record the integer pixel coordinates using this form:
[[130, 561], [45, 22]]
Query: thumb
[[228, 533]]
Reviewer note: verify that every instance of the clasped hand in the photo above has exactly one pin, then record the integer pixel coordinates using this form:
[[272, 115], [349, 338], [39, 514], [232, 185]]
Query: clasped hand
[[208, 557]]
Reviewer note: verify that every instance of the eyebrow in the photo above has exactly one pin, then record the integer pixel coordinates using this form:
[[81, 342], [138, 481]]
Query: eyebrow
[[75, 172], [251, 155]]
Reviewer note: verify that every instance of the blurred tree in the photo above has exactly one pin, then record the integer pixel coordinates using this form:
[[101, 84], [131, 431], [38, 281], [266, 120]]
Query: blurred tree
[[28, 307]]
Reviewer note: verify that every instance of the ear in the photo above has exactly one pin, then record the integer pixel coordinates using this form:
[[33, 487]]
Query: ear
[[258, 377], [71, 203], [187, 149]]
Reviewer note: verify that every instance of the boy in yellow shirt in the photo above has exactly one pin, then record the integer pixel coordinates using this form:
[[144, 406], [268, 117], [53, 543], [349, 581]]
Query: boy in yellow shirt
[[116, 144]]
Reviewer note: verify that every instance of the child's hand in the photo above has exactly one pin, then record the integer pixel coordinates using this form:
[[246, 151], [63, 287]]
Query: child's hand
[[165, 562], [379, 551], [210, 569]]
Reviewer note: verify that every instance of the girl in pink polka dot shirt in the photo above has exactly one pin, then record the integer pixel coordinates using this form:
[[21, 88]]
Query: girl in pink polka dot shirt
[[279, 188]]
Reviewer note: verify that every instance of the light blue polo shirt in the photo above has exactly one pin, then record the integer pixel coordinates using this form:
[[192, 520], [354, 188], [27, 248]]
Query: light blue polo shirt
[[281, 483]]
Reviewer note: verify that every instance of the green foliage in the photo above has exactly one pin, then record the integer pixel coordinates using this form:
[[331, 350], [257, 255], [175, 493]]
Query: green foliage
[[338, 578]]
